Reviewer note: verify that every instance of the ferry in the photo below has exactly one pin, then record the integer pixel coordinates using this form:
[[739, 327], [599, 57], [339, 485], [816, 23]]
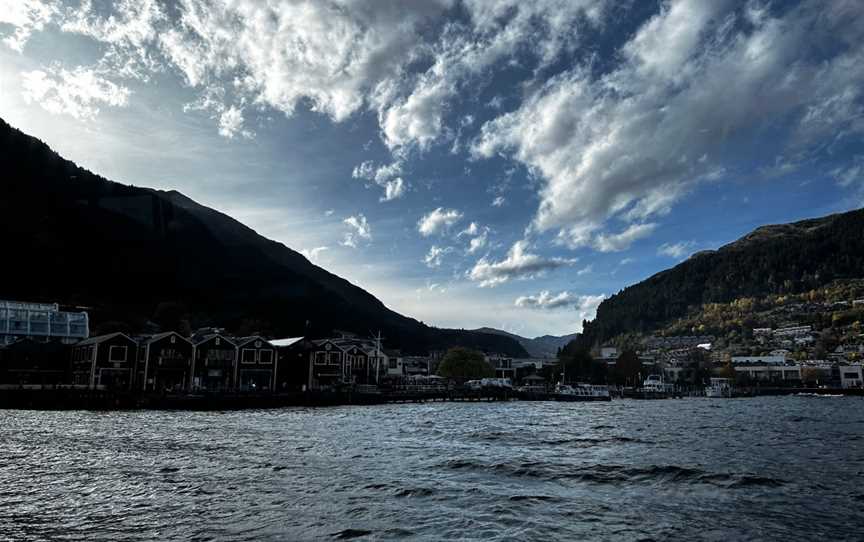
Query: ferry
[[581, 392], [655, 384], [720, 387]]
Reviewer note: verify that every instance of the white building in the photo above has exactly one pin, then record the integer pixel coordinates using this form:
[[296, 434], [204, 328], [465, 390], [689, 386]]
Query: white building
[[608, 352], [851, 376], [41, 322], [792, 331], [758, 360], [771, 372]]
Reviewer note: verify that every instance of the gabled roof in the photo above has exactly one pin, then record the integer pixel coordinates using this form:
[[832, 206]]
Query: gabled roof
[[243, 341], [201, 339], [102, 338], [282, 343], [159, 336]]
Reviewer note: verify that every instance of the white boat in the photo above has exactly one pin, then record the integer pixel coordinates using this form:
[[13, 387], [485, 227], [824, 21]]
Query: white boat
[[720, 387], [655, 384], [581, 392]]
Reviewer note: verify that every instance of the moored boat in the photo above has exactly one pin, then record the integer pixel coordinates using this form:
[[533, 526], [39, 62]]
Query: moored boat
[[581, 392], [719, 387]]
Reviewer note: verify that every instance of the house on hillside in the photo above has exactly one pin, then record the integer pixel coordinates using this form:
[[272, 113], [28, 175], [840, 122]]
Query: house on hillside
[[257, 364], [107, 361], [165, 362], [215, 362]]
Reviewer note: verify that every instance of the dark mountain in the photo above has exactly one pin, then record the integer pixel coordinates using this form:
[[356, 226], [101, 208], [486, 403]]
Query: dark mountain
[[545, 346], [776, 259], [134, 254]]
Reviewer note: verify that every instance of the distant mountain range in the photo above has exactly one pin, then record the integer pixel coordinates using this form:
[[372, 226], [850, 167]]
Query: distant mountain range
[[545, 346], [132, 255], [776, 259]]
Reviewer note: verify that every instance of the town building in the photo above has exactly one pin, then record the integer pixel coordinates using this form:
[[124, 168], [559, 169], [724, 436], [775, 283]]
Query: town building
[[27, 362], [41, 322], [106, 361], [851, 376], [214, 363], [257, 366], [165, 362], [759, 360], [771, 373]]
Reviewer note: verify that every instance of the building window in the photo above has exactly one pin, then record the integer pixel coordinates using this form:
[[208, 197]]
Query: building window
[[266, 356], [248, 355], [217, 341], [173, 339], [392, 363], [117, 353], [320, 358]]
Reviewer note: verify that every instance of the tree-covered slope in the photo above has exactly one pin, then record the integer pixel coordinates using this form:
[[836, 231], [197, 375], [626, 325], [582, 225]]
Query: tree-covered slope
[[788, 258], [74, 237]]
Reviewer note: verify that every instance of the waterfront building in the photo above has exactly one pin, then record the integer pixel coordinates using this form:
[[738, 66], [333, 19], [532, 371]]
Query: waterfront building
[[214, 363], [294, 363], [34, 363], [503, 366], [165, 362], [851, 376], [257, 363], [41, 322], [327, 367], [771, 373], [106, 361]]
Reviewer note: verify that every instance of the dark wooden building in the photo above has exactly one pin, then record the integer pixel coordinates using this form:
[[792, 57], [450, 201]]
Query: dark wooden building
[[327, 364], [295, 363], [215, 362], [165, 362], [257, 363], [106, 361], [27, 363]]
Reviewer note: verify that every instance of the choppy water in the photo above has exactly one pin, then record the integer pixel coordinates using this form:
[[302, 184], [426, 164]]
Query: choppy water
[[769, 468]]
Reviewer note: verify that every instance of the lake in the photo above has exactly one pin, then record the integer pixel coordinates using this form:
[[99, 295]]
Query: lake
[[786, 468]]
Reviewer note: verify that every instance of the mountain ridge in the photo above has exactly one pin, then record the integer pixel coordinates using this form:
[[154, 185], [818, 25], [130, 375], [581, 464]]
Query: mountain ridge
[[129, 252], [772, 259]]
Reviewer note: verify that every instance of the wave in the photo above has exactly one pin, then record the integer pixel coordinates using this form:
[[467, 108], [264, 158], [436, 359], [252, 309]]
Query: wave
[[617, 474]]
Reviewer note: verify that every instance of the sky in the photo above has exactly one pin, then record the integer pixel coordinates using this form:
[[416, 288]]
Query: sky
[[469, 162]]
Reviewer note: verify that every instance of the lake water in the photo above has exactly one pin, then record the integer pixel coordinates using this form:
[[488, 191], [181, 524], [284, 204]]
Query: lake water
[[786, 468]]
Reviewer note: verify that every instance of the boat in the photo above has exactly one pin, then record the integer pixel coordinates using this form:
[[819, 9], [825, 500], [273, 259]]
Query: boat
[[655, 384], [719, 387], [581, 392]]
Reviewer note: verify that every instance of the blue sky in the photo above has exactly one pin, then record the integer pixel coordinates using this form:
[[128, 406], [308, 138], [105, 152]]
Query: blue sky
[[469, 162]]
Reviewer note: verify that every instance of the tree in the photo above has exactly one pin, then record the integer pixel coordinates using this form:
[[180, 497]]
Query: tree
[[464, 364], [628, 368]]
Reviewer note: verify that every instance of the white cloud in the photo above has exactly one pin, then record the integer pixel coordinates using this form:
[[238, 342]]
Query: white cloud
[[394, 189], [498, 201], [26, 17], [231, 124], [519, 264], [585, 270], [78, 93], [616, 242], [630, 143], [434, 256], [585, 305], [385, 176], [359, 230], [437, 220], [313, 254], [676, 250]]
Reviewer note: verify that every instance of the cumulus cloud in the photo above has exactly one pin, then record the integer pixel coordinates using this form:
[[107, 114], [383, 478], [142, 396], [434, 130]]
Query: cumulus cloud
[[585, 305], [435, 255], [358, 231], [26, 17], [676, 250], [519, 264], [498, 201], [438, 220], [79, 92], [616, 242], [385, 176], [632, 142]]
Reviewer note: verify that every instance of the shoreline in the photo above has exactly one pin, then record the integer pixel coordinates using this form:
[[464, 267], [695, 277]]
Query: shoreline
[[88, 399]]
